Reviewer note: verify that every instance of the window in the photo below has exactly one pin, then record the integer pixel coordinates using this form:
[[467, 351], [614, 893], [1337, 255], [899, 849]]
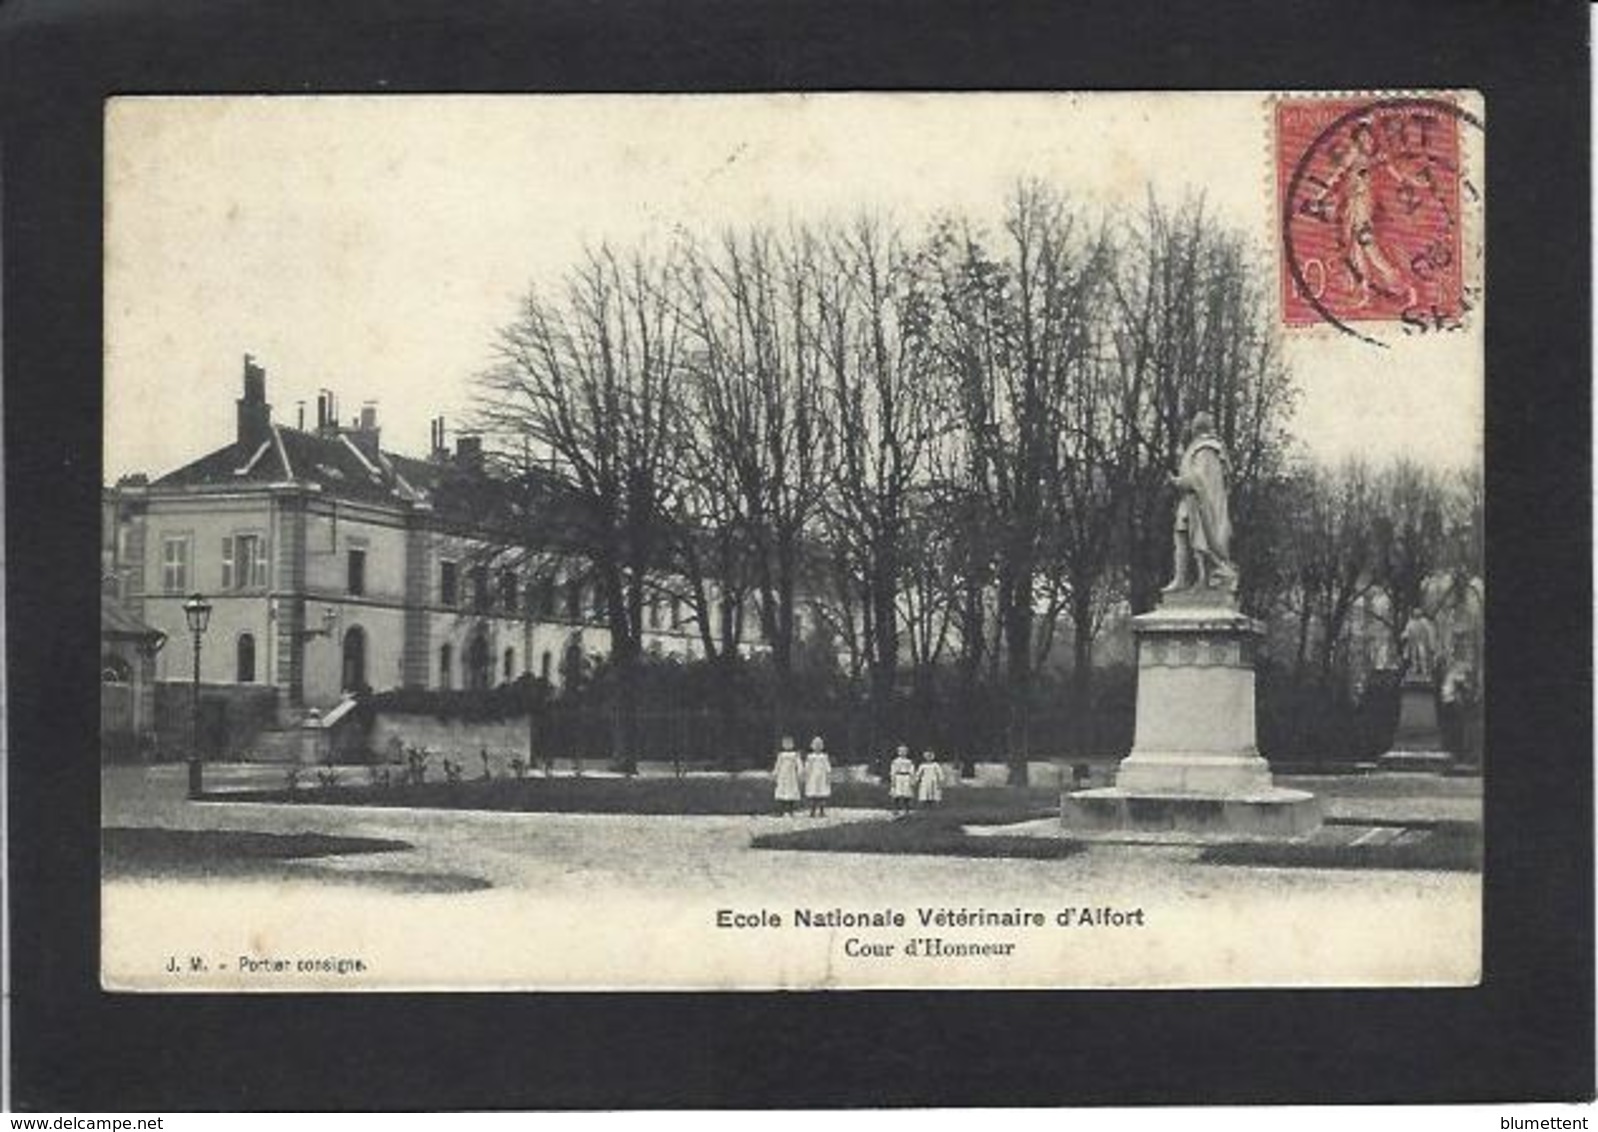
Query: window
[[243, 562], [510, 666], [478, 663], [446, 665], [507, 590], [354, 659], [246, 658], [545, 665], [676, 612], [546, 597], [175, 564], [574, 600], [357, 572], [480, 589], [448, 587], [654, 613], [115, 670], [571, 664]]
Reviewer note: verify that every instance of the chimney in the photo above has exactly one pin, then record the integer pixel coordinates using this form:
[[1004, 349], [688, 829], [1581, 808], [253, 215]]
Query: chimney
[[365, 435], [299, 407], [255, 415], [469, 451], [439, 451], [326, 413]]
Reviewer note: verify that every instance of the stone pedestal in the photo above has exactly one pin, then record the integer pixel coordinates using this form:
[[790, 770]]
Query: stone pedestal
[[1194, 766], [316, 744], [1418, 742]]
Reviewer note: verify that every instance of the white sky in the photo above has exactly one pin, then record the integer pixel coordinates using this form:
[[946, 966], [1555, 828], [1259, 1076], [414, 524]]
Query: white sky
[[374, 244]]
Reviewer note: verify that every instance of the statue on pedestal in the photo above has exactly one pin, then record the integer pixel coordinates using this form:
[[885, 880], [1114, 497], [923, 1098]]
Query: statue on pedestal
[[1195, 769], [1419, 639], [1203, 536]]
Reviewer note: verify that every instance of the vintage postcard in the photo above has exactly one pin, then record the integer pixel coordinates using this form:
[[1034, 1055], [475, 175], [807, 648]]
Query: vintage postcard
[[805, 542]]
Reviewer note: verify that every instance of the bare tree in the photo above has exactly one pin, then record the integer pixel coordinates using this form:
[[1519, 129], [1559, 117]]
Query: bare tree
[[1464, 519], [1331, 555], [1191, 333], [1410, 544], [749, 307], [929, 590], [1095, 471], [1013, 332], [877, 394], [591, 378], [943, 450]]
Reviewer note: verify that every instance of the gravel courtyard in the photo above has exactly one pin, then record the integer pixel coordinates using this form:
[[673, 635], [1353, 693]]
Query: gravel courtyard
[[579, 901]]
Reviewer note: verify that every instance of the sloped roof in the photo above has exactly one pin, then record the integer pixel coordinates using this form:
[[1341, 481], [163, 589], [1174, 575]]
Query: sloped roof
[[344, 469], [332, 462], [117, 621]]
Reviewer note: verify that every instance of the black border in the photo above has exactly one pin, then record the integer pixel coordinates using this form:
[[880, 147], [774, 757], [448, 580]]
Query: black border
[[1526, 1033]]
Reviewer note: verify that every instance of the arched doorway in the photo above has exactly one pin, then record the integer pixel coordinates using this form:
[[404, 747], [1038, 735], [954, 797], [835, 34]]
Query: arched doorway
[[246, 658], [477, 662], [354, 659], [571, 662]]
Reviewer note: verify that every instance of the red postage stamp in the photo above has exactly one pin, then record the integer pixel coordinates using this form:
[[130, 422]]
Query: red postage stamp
[[1370, 193]]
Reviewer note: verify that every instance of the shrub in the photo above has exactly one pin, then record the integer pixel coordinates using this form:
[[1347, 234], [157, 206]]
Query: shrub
[[415, 765]]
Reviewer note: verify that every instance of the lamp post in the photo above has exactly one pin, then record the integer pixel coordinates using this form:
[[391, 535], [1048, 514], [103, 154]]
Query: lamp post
[[197, 611]]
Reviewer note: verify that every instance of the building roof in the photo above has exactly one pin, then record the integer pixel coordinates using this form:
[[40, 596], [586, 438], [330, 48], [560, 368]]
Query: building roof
[[347, 466], [117, 621], [334, 462]]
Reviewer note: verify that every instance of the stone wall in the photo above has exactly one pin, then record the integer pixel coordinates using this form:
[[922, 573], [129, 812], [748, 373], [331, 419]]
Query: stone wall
[[503, 738], [232, 716]]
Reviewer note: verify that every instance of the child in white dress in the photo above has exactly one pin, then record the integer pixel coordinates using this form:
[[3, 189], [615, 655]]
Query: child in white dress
[[902, 781], [818, 778], [787, 772], [929, 780]]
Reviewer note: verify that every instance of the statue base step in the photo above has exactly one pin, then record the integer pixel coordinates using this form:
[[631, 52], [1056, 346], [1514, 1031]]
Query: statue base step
[[1273, 813], [1194, 772], [1416, 762]]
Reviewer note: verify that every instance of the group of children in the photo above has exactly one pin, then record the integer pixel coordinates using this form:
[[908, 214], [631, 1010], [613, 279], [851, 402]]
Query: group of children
[[809, 778]]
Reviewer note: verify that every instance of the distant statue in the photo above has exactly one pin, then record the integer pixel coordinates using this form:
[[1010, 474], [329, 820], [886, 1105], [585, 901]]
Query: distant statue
[[1203, 536], [1419, 639]]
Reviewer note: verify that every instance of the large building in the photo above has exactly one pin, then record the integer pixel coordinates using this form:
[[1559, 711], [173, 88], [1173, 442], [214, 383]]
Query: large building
[[333, 565]]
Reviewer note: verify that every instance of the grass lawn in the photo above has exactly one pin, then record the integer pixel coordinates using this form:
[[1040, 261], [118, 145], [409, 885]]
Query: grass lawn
[[938, 832], [220, 854], [1448, 846], [712, 795], [1384, 785]]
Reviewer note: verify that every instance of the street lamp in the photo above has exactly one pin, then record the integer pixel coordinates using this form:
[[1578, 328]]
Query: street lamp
[[197, 611]]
